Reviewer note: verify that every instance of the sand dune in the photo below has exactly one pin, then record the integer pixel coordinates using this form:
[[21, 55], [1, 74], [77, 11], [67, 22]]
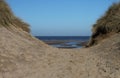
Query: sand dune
[[23, 56]]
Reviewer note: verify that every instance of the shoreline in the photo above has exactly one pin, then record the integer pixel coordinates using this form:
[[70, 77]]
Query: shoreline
[[69, 44]]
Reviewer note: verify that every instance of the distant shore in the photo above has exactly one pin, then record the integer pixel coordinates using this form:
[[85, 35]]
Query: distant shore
[[66, 43]]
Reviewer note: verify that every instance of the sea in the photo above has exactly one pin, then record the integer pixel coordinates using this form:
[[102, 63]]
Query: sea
[[65, 41]]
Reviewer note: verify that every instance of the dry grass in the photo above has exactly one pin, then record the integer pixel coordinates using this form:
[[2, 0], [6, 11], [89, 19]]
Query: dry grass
[[7, 18], [106, 25]]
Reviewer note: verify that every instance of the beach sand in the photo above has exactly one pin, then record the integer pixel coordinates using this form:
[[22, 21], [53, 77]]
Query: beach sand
[[27, 57]]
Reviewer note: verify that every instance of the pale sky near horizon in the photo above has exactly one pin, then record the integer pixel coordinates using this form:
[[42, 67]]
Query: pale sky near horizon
[[60, 17]]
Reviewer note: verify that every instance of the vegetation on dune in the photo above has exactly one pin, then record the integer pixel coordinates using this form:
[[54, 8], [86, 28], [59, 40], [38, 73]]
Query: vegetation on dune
[[106, 25], [21, 24], [7, 18]]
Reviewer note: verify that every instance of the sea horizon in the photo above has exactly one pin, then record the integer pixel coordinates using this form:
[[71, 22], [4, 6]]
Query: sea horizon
[[65, 41]]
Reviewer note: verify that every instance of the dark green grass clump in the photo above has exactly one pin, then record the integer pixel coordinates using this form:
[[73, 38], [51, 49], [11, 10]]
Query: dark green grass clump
[[107, 25], [8, 19]]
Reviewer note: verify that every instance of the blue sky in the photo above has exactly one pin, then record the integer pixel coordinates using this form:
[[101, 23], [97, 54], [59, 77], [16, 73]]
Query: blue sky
[[60, 17]]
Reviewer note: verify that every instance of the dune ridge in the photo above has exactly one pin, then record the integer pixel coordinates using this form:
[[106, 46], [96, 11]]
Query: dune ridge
[[23, 56], [8, 19], [107, 25]]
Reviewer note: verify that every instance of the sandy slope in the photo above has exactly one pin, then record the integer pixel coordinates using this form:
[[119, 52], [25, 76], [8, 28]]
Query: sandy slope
[[22, 56]]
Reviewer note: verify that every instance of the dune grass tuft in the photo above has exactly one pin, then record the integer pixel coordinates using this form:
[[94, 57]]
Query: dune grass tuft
[[106, 25], [7, 18]]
